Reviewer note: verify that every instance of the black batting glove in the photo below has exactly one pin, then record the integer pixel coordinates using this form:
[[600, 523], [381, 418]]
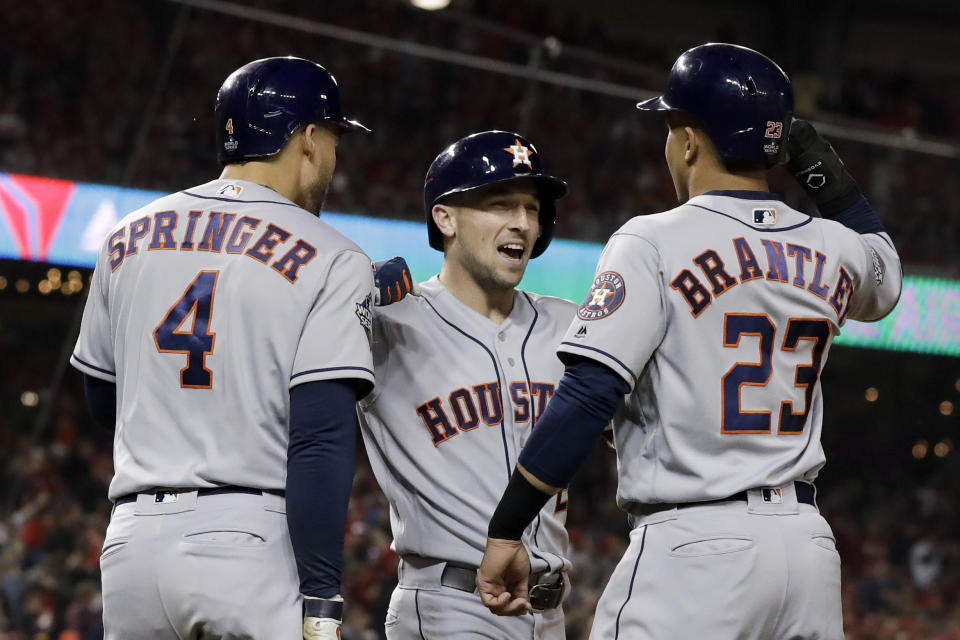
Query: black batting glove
[[819, 170]]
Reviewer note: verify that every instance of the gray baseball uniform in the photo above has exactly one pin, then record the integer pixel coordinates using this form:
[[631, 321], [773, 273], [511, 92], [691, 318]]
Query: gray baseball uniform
[[720, 315], [206, 307], [455, 401]]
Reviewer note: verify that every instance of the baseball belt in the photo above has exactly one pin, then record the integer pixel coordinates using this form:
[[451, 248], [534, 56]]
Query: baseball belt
[[806, 494], [212, 491], [541, 596]]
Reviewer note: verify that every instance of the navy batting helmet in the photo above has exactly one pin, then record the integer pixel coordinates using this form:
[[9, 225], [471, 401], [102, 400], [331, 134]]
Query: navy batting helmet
[[262, 104], [742, 97], [491, 157]]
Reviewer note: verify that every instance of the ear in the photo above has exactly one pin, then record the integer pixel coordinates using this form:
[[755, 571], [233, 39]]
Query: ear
[[445, 219], [307, 140], [692, 147]]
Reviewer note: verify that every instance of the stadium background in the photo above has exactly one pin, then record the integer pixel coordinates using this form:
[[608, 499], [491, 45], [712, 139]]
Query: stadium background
[[121, 93]]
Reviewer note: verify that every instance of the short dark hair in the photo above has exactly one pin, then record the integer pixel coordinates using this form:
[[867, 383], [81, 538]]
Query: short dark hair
[[679, 119]]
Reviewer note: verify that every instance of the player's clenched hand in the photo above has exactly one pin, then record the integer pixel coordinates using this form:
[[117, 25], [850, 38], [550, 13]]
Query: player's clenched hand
[[392, 281], [503, 576], [322, 618], [819, 170]]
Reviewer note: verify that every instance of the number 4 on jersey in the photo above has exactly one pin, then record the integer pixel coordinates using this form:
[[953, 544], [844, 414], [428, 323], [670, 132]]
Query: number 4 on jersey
[[195, 305]]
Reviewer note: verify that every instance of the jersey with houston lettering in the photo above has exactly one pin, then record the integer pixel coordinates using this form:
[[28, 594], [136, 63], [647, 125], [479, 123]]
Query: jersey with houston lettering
[[455, 401], [720, 315], [206, 307]]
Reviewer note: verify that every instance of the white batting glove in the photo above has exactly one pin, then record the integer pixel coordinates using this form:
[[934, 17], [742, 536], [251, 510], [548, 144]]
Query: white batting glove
[[322, 618]]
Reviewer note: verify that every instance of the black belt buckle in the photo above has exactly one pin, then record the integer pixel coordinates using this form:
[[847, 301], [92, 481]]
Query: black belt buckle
[[546, 596]]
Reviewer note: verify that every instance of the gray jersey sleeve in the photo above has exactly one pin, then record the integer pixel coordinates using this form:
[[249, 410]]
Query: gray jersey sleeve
[[335, 340], [626, 292], [877, 279], [93, 354]]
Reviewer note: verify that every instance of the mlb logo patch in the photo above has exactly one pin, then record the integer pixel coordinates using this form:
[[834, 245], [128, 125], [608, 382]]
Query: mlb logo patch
[[166, 497], [772, 496], [764, 216], [230, 190]]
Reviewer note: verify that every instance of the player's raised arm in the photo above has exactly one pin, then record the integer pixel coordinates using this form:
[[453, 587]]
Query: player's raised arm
[[822, 174]]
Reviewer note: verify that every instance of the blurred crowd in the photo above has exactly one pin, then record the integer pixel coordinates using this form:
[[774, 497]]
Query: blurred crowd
[[123, 93]]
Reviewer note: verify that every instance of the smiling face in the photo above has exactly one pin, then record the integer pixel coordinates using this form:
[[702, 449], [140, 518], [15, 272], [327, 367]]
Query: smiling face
[[490, 231]]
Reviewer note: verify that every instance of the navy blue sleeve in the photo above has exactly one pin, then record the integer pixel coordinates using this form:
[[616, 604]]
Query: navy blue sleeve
[[101, 400], [586, 399], [860, 217], [320, 459]]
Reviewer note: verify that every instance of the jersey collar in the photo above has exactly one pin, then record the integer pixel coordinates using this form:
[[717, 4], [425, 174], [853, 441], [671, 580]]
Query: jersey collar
[[743, 194]]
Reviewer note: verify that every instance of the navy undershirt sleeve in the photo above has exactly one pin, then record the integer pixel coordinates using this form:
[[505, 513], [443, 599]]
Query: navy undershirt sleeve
[[860, 217], [320, 460], [586, 399], [101, 400]]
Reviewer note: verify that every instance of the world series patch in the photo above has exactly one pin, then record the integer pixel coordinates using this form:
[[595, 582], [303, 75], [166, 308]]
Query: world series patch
[[606, 295]]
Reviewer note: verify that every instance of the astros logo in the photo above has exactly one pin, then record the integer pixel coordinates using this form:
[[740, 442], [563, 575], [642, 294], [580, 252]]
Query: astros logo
[[606, 295], [521, 154]]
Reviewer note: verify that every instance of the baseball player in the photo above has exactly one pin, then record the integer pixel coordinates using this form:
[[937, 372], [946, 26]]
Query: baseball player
[[463, 373], [714, 319], [218, 316]]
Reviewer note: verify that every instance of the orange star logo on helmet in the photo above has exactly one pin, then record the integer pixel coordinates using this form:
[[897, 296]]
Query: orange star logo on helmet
[[521, 153]]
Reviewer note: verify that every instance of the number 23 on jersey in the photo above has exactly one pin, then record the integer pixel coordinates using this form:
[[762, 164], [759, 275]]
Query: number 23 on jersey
[[736, 419]]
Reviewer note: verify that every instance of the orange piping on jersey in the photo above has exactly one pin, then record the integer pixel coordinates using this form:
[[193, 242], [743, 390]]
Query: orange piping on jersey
[[720, 280], [816, 287], [689, 293], [463, 394], [787, 405], [192, 217], [272, 236], [192, 313], [118, 247], [518, 402], [802, 254], [296, 260], [493, 390], [543, 391], [749, 265], [723, 400], [843, 287], [237, 247], [439, 419], [165, 230], [136, 235], [776, 261], [213, 236]]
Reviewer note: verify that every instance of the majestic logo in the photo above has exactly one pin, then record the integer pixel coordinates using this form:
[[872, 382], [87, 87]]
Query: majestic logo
[[521, 154], [364, 313], [230, 190], [606, 295], [764, 216], [581, 332]]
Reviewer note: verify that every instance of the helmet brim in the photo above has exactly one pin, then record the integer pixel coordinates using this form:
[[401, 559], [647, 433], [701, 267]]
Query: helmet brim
[[654, 104], [353, 125], [548, 186]]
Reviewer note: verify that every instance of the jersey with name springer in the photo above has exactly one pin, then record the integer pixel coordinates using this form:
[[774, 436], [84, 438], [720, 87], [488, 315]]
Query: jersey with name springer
[[206, 307]]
